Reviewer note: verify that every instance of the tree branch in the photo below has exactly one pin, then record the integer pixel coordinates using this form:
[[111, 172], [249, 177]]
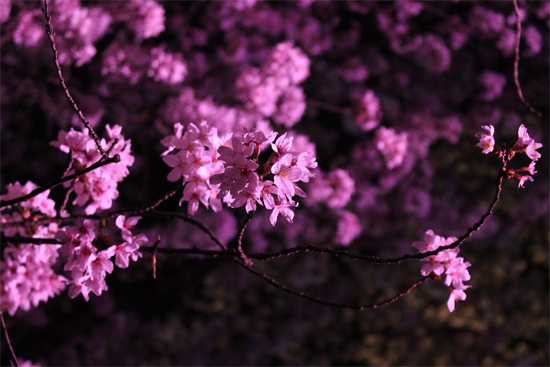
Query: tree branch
[[41, 189], [378, 260], [146, 208], [320, 301], [240, 235], [13, 356], [516, 62], [32, 240], [193, 221], [51, 35]]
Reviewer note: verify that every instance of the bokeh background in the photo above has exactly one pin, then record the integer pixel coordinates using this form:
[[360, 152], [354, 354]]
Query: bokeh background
[[427, 63]]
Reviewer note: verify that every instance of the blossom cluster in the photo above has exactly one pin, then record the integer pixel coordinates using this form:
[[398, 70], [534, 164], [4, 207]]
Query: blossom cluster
[[369, 111], [242, 178], [27, 271], [89, 254], [524, 144], [131, 63], [195, 159], [447, 263], [37, 205], [392, 145], [98, 188], [334, 188], [272, 90], [26, 276]]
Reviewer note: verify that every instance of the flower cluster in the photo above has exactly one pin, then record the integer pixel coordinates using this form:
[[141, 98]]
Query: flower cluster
[[195, 159], [392, 145], [78, 27], [273, 184], [334, 188], [348, 228], [26, 276], [524, 144], [89, 254], [369, 112], [240, 179], [37, 205], [445, 262], [272, 90], [166, 67], [98, 188]]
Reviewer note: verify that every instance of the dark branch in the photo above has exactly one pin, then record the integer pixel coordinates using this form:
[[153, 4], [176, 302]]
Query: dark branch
[[191, 220], [240, 235], [13, 356], [34, 241], [379, 260], [329, 107], [41, 189], [145, 208], [189, 251], [51, 35], [320, 301], [516, 62]]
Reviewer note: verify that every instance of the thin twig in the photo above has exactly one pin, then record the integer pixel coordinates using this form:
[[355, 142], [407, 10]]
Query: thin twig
[[13, 356], [329, 107], [51, 35], [193, 221], [65, 200], [189, 251], [320, 301], [154, 257], [71, 163], [146, 208], [33, 240], [378, 260], [516, 62], [239, 246]]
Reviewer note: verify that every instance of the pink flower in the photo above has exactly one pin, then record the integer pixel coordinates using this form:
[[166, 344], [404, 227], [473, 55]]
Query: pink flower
[[128, 249], [393, 146], [523, 179], [291, 107], [284, 210], [433, 54], [492, 85], [349, 228], [250, 196], [100, 265], [178, 162], [369, 113], [531, 151], [486, 140], [126, 223], [78, 287], [457, 272], [285, 175], [282, 145], [456, 295], [166, 67], [523, 137], [526, 144]]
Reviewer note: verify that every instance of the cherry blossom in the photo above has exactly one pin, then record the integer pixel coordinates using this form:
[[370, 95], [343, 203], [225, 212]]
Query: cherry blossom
[[456, 295], [392, 145], [486, 140], [445, 262], [98, 188]]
